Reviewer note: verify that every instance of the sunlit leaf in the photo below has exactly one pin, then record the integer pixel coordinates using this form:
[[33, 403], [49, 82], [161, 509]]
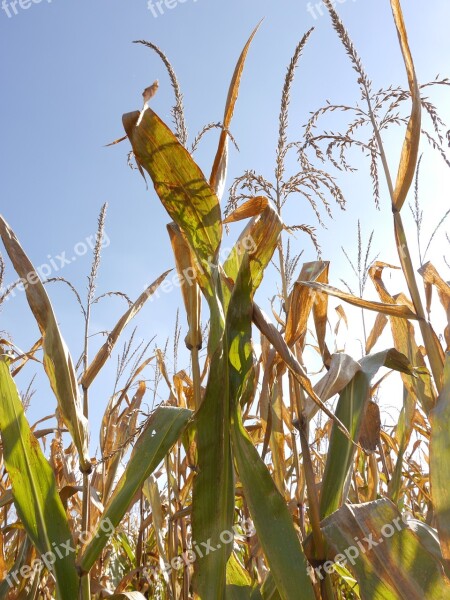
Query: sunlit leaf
[[34, 489], [57, 361]]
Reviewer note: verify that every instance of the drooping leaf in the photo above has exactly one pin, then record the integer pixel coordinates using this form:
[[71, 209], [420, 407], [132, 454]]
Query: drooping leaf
[[277, 340], [57, 361], [302, 300], [105, 351], [432, 279], [380, 323], [404, 340], [410, 150], [190, 290], [385, 556], [251, 208], [35, 494], [341, 371], [259, 240], [396, 310]]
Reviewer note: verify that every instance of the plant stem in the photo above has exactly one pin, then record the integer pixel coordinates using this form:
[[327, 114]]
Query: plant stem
[[85, 588], [429, 339], [196, 377]]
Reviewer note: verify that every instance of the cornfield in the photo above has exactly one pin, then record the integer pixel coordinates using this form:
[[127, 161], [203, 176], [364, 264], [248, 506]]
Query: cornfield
[[260, 477]]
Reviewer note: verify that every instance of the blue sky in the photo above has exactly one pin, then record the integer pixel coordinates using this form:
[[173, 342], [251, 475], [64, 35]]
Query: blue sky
[[70, 70]]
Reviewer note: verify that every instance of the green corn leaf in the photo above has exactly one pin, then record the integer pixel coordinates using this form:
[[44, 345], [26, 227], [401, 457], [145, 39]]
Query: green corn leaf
[[350, 411], [268, 509], [180, 185], [259, 239], [163, 429], [239, 583], [213, 492], [384, 554], [36, 497], [272, 520], [440, 461]]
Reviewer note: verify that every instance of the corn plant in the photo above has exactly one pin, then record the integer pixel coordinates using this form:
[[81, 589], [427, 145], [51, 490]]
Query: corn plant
[[251, 481]]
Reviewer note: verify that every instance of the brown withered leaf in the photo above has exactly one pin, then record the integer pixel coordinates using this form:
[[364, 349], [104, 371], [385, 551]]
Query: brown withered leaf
[[395, 310], [252, 208], [219, 169], [432, 278], [105, 351], [410, 151], [378, 328]]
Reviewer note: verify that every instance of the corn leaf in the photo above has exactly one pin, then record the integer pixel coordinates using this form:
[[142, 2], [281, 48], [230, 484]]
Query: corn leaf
[[213, 491], [190, 290], [180, 185], [258, 239], [432, 279], [384, 554], [57, 361], [404, 340], [163, 429], [219, 170], [410, 150], [350, 410], [36, 497], [105, 351], [396, 310], [239, 583], [440, 461], [267, 507], [278, 342]]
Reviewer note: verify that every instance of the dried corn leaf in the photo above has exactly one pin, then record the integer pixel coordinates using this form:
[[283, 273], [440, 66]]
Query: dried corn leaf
[[187, 273], [404, 340], [395, 310], [380, 323], [219, 170], [57, 361], [432, 278], [302, 300], [105, 351], [410, 150], [251, 208]]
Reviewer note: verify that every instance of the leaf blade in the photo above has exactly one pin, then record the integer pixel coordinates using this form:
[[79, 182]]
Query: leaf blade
[[34, 486]]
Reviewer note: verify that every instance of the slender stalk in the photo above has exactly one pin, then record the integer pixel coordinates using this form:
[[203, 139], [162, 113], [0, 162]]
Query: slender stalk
[[430, 342], [196, 377], [311, 490], [85, 588]]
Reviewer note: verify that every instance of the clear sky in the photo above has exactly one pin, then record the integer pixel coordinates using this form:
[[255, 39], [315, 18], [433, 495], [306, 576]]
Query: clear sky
[[69, 71]]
